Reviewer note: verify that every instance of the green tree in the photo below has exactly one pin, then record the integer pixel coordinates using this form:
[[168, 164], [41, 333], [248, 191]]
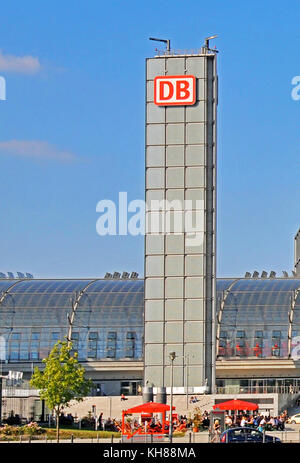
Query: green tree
[[62, 379]]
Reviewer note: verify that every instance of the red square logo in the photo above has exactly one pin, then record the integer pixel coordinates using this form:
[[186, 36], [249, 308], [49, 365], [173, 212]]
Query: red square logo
[[175, 90]]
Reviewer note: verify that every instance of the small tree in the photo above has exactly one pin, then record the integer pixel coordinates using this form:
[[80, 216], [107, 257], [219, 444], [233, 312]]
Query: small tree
[[62, 379]]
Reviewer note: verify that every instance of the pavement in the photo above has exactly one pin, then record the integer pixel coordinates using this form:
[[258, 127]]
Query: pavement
[[290, 435]]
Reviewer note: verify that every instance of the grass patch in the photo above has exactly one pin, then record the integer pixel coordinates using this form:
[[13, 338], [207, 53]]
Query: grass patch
[[80, 434], [64, 433]]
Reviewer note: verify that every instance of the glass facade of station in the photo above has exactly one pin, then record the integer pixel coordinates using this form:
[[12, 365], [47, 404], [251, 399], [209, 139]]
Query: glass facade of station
[[108, 323], [258, 385], [256, 318]]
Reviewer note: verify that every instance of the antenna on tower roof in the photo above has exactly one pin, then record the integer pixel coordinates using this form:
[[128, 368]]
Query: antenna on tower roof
[[167, 41], [208, 39]]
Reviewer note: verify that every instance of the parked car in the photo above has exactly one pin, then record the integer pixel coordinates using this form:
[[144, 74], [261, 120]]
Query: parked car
[[295, 419], [246, 435]]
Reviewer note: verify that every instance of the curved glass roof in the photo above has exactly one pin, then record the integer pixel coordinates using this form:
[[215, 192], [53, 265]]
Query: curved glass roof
[[223, 284], [256, 318], [34, 314], [256, 313]]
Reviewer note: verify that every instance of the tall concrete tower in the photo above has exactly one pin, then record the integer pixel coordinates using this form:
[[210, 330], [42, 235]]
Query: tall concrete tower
[[180, 241], [297, 253]]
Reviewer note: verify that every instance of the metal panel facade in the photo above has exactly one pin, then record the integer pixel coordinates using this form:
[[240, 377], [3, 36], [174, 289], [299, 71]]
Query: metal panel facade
[[180, 224]]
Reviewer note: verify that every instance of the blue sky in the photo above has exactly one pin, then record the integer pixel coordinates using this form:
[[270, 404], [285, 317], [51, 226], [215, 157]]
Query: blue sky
[[72, 128]]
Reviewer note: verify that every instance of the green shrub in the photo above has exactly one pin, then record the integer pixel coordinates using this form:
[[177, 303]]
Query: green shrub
[[33, 429], [8, 430]]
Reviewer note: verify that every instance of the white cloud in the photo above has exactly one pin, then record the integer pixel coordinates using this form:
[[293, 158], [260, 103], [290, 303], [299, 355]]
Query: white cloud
[[35, 149], [20, 64]]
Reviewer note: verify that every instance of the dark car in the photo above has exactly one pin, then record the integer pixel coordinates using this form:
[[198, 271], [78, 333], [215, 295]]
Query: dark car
[[246, 435]]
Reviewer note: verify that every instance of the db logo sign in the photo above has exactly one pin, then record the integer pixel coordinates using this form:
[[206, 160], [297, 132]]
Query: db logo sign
[[174, 90]]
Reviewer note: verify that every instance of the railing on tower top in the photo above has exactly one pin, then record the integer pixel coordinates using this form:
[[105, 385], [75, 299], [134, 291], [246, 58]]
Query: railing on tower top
[[194, 51]]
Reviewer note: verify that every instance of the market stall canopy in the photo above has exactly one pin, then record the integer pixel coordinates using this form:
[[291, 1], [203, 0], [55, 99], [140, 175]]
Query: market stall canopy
[[149, 407], [236, 405]]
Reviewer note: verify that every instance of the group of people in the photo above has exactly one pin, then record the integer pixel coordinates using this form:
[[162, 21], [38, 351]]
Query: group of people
[[110, 424], [260, 421], [66, 419], [181, 423], [155, 426]]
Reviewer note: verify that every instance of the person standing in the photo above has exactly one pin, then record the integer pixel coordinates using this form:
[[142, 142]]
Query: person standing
[[100, 421], [243, 421], [262, 424], [216, 431], [228, 421]]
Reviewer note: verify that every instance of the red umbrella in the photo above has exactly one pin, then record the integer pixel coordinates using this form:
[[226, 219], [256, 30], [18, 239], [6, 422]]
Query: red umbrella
[[149, 407], [236, 405]]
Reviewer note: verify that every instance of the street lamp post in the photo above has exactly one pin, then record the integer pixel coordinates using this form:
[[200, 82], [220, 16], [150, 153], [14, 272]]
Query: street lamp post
[[186, 358], [187, 380], [172, 356]]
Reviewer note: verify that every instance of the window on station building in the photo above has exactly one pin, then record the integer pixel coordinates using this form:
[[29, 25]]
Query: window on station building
[[223, 344], [258, 343], [34, 345], [24, 351], [240, 348], [258, 347], [14, 353], [130, 344], [111, 344], [240, 334], [92, 344], [275, 349]]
